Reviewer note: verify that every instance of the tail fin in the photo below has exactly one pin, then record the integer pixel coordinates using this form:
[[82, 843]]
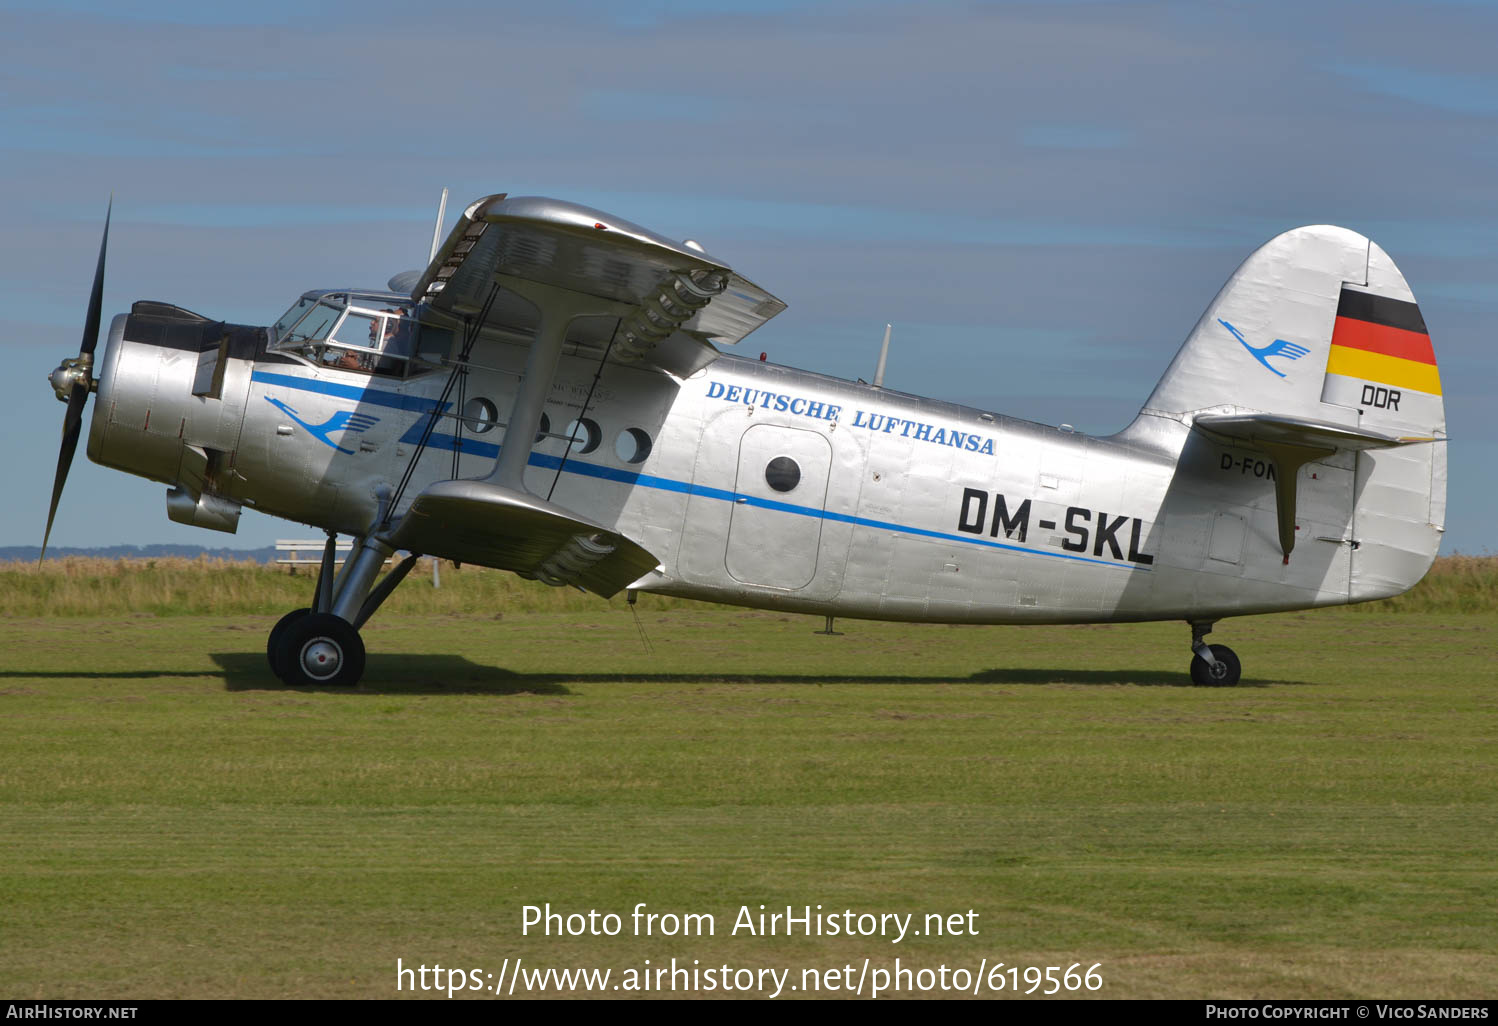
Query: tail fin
[[1319, 325]]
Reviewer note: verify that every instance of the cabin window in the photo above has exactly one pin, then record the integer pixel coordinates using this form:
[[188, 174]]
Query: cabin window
[[632, 445], [479, 415], [583, 436], [782, 474]]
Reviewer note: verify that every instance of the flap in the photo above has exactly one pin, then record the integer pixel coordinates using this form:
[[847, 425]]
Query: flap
[[675, 299], [489, 525]]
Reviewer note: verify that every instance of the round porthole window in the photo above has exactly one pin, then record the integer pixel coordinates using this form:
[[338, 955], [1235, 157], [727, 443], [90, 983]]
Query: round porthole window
[[632, 445], [479, 415], [584, 436], [782, 474]]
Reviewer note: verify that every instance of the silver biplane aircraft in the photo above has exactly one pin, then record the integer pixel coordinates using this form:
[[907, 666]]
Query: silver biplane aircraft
[[548, 397]]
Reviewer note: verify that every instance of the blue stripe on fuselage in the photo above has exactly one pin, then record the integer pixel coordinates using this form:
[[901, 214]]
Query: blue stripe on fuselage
[[474, 447], [371, 396]]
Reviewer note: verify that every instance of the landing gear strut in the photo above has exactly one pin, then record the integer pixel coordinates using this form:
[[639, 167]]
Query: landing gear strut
[[1213, 665], [321, 645]]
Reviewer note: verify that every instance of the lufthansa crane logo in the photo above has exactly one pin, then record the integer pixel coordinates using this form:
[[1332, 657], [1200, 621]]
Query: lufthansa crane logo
[[344, 420], [1279, 347]]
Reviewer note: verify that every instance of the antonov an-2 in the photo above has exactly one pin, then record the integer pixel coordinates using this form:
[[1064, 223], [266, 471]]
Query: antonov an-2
[[548, 397]]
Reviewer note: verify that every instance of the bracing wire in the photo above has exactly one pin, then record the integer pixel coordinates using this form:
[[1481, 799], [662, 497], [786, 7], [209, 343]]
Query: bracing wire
[[577, 422], [644, 640], [458, 425], [440, 405]]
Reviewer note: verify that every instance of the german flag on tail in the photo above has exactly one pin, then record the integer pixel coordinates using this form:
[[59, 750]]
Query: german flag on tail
[[1380, 347]]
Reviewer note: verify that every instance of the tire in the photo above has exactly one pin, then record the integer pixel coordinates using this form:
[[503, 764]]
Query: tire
[[273, 642], [321, 649], [1224, 675]]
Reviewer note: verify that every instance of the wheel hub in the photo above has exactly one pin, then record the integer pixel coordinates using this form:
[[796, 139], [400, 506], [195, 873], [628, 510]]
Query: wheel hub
[[321, 658]]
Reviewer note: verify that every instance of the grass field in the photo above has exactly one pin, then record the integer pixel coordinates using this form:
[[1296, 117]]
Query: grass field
[[176, 823], [84, 587]]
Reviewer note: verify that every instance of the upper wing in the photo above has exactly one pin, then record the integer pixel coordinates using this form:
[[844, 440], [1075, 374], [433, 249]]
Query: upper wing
[[674, 300]]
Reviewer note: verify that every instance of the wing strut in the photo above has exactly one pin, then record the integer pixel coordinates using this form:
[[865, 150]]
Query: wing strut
[[558, 308], [525, 417]]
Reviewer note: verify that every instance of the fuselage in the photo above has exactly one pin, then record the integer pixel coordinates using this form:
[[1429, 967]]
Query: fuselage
[[751, 483]]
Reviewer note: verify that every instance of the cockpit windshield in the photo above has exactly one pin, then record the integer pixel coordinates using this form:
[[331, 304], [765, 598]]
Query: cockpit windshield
[[290, 317], [373, 333]]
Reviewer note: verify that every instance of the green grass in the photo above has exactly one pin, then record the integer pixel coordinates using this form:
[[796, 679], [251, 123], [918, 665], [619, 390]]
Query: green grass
[[177, 824], [80, 586]]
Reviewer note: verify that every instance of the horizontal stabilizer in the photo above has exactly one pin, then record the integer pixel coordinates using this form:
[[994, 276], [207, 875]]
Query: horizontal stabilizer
[[490, 525], [1259, 428], [1292, 442]]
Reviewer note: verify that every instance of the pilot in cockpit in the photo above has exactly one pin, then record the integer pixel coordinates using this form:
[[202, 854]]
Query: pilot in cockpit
[[397, 333], [393, 340], [338, 334]]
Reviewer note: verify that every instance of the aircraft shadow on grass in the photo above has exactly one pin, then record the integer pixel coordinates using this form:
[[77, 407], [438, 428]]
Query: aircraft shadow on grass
[[397, 673], [394, 673], [449, 674]]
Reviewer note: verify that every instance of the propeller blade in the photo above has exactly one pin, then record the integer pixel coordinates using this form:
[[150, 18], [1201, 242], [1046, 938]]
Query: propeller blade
[[72, 423], [72, 427], [96, 297]]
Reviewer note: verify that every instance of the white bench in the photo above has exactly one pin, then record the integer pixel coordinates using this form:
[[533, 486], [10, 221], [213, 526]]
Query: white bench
[[308, 552]]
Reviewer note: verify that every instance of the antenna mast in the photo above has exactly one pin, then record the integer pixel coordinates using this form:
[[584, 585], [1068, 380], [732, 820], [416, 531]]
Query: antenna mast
[[883, 356]]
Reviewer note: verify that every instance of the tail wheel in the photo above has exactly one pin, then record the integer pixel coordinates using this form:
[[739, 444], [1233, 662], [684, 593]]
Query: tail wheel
[[1223, 675], [273, 643], [321, 648]]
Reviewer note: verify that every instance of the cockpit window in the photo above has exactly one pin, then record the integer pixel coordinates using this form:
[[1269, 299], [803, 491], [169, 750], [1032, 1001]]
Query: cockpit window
[[316, 325], [290, 317], [359, 332], [388, 330]]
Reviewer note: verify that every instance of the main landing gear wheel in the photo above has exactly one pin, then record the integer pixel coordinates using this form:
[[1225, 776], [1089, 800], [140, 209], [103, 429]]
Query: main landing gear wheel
[[321, 645], [320, 648], [273, 643], [1224, 674]]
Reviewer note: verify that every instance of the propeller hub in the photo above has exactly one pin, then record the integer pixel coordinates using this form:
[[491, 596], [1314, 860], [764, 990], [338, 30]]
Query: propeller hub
[[71, 373]]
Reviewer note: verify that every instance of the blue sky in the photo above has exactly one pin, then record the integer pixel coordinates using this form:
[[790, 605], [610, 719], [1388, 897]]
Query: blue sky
[[1041, 197]]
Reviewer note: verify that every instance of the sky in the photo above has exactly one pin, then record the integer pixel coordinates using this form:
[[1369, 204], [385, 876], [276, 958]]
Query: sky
[[1041, 197]]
